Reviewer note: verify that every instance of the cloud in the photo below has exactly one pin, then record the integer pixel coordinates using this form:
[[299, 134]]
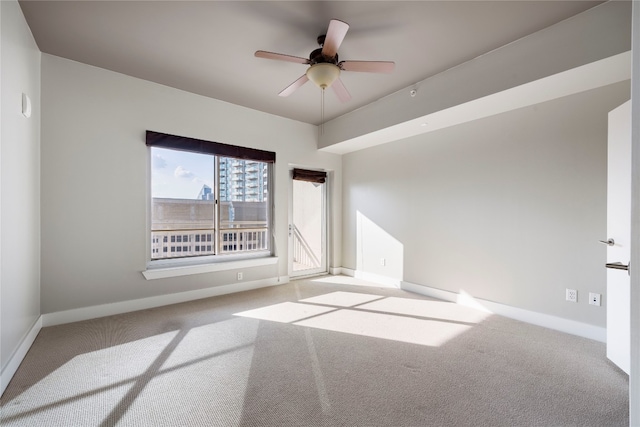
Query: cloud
[[158, 162], [181, 172]]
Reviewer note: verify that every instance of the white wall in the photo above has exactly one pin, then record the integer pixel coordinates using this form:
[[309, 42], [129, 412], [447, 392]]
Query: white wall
[[507, 208], [95, 180], [20, 187]]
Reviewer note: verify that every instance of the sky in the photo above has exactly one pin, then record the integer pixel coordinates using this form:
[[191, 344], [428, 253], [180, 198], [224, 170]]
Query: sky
[[179, 174]]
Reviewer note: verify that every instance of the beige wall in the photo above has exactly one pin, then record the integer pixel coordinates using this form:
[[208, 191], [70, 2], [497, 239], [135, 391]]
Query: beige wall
[[508, 208], [95, 170]]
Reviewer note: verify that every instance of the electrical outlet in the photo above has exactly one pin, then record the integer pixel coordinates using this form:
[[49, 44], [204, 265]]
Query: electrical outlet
[[383, 262], [572, 295], [239, 276], [594, 299]]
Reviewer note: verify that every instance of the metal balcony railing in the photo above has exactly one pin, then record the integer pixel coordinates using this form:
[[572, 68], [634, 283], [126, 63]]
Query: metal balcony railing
[[302, 253], [243, 240], [198, 242]]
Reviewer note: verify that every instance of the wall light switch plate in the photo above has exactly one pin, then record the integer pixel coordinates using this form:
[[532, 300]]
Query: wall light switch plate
[[594, 299]]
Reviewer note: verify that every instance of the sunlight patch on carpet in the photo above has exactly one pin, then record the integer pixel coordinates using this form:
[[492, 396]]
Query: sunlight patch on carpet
[[423, 308], [387, 326], [286, 312], [342, 299], [416, 321], [88, 380], [214, 362]]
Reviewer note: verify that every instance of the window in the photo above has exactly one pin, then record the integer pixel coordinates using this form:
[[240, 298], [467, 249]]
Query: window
[[207, 192]]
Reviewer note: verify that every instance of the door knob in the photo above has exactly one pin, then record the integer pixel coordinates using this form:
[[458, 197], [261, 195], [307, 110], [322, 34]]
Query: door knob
[[618, 266], [608, 242]]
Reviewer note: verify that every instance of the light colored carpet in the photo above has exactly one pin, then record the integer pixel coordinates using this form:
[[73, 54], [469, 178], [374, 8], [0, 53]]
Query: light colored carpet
[[313, 353]]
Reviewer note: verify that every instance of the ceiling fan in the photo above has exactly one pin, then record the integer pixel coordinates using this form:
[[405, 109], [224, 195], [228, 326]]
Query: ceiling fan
[[324, 68]]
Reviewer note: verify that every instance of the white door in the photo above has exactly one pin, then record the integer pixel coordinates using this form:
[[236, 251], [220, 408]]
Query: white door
[[619, 236], [307, 224]]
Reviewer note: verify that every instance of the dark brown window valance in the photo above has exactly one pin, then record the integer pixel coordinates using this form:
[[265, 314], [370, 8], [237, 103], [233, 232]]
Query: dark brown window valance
[[163, 140], [309, 176]]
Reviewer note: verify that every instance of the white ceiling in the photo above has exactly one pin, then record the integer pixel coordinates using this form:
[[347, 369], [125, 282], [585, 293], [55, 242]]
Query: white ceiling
[[207, 47]]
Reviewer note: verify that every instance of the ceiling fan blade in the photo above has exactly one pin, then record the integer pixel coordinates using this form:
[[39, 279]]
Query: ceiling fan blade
[[368, 66], [281, 57], [341, 91], [293, 86], [335, 34]]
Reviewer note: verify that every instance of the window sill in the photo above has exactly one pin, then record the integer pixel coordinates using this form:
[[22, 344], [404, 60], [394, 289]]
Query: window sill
[[186, 270]]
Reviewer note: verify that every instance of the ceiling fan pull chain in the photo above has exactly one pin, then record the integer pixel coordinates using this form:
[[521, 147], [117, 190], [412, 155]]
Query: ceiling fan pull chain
[[322, 112]]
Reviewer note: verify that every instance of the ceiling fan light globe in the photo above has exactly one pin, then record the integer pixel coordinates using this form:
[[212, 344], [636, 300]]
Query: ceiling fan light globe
[[323, 74]]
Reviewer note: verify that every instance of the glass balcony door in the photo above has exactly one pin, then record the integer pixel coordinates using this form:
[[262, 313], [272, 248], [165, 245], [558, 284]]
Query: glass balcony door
[[307, 228]]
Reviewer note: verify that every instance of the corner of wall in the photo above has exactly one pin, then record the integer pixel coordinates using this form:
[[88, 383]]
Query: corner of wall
[[19, 354]]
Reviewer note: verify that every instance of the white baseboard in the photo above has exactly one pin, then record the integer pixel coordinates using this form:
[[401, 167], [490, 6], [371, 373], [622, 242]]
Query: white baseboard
[[86, 313], [585, 330], [336, 271], [18, 355], [383, 281]]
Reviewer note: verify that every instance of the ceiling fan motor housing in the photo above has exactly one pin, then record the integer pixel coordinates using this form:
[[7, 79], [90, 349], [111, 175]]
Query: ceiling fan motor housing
[[316, 57]]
